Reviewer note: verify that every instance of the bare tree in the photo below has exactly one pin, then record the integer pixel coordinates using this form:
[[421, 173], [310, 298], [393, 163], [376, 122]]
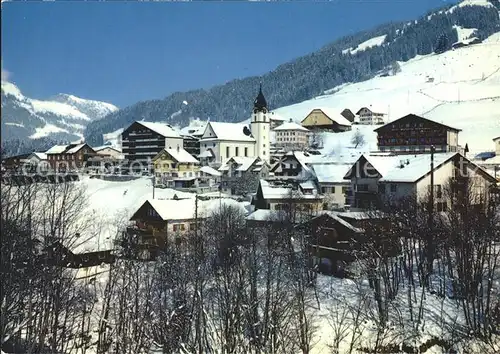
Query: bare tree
[[358, 139]]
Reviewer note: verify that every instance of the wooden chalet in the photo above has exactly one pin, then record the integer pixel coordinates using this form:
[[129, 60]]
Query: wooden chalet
[[326, 119], [413, 134]]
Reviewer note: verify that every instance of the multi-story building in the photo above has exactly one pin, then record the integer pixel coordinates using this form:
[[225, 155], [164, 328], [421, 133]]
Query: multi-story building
[[291, 136], [176, 168], [330, 178], [326, 119], [389, 180], [142, 141], [370, 116], [412, 134], [69, 157], [192, 135]]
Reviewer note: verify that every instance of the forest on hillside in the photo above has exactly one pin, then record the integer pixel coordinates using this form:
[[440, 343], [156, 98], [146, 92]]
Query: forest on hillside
[[310, 75]]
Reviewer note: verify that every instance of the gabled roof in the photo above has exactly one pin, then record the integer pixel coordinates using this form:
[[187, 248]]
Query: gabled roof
[[333, 114], [229, 132], [495, 139], [330, 173], [291, 126], [270, 191], [99, 148], [243, 162], [40, 155], [184, 209], [197, 130], [211, 171], [334, 216], [414, 116], [180, 155], [163, 129], [65, 149], [372, 109]]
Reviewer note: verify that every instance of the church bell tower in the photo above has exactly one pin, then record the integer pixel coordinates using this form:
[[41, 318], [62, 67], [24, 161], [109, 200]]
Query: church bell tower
[[261, 126]]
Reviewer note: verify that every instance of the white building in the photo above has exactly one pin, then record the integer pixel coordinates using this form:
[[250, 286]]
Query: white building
[[378, 180], [261, 127], [221, 141], [330, 178], [292, 136], [370, 116]]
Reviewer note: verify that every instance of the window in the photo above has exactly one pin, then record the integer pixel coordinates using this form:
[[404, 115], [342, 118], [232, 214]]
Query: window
[[236, 151], [381, 188], [394, 188], [362, 187], [345, 190], [192, 226], [441, 206], [439, 191], [323, 190], [227, 151]]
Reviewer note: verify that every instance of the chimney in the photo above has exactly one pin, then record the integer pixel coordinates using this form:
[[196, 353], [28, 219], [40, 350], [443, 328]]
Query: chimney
[[291, 120]]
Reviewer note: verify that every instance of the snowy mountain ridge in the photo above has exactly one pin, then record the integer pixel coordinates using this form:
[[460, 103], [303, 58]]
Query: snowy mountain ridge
[[63, 116]]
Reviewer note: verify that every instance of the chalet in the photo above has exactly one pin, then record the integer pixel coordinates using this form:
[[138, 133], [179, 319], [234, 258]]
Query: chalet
[[241, 175], [370, 116], [412, 134], [36, 162], [292, 166], [326, 119], [142, 141], [221, 141], [333, 242], [109, 151], [389, 180], [330, 178], [176, 168], [301, 197], [291, 136], [69, 157], [159, 222]]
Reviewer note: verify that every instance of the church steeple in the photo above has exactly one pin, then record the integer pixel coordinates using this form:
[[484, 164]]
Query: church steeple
[[260, 104]]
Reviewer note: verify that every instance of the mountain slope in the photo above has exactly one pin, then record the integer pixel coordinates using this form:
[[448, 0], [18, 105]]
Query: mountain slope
[[311, 75], [64, 117], [464, 93]]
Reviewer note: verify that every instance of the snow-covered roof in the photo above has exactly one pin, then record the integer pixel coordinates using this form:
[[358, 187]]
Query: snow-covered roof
[[40, 155], [67, 149], [180, 155], [270, 191], [291, 126], [361, 215], [209, 170], [267, 215], [373, 109], [331, 173], [206, 153], [195, 130], [492, 161], [230, 132], [495, 139], [161, 128], [276, 116], [56, 149], [338, 219], [243, 162], [184, 209], [99, 148], [415, 117], [406, 168], [307, 185], [334, 115]]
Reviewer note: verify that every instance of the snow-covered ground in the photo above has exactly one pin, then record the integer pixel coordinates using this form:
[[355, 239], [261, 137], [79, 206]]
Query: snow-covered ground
[[372, 42], [465, 93]]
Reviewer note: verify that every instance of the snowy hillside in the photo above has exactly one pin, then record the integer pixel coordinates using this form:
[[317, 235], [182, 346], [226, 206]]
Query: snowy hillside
[[63, 117], [465, 93]]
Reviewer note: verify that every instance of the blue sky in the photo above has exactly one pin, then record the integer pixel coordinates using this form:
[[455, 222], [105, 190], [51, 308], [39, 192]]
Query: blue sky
[[124, 52]]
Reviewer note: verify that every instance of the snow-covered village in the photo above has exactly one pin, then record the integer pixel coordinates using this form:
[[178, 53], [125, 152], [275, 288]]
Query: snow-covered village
[[361, 219]]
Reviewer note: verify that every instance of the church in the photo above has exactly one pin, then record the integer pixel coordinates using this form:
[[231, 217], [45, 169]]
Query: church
[[222, 141]]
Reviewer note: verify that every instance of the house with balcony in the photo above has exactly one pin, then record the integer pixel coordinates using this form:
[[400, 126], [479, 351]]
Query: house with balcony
[[176, 168], [142, 141], [70, 157], [241, 175], [326, 119], [370, 115], [413, 134], [158, 224], [381, 181], [295, 197]]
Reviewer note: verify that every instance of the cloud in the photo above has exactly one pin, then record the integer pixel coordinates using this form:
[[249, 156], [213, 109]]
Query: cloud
[[5, 74]]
